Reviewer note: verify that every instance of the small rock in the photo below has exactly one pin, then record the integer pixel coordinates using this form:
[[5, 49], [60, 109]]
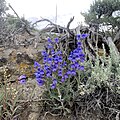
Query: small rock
[[33, 116], [3, 61], [34, 107], [24, 57]]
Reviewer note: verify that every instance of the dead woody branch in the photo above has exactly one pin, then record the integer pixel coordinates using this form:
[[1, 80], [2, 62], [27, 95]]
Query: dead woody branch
[[25, 26]]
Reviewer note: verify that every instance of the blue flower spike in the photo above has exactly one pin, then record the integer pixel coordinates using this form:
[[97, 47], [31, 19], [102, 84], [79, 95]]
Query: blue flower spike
[[55, 64]]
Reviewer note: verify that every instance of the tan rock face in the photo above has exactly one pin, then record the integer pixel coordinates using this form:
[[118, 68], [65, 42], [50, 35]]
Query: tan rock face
[[21, 59]]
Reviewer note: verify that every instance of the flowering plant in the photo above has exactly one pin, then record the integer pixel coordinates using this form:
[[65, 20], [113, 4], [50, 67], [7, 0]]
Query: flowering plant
[[60, 73], [56, 69], [74, 86]]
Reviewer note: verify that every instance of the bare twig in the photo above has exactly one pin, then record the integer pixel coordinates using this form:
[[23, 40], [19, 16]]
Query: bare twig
[[68, 25], [42, 20], [50, 114], [58, 27]]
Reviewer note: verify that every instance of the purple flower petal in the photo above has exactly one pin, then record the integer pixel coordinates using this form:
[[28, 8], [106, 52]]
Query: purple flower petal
[[54, 81], [44, 53], [49, 46], [80, 67], [48, 74], [79, 44], [83, 36], [22, 77], [63, 80], [78, 37], [60, 72], [52, 52], [56, 40], [49, 40], [69, 72], [73, 72], [36, 64], [72, 66], [59, 52], [40, 82], [53, 86], [23, 81], [65, 76], [49, 60]]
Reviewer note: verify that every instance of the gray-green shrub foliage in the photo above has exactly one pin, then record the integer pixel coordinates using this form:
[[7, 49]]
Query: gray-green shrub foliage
[[107, 72]]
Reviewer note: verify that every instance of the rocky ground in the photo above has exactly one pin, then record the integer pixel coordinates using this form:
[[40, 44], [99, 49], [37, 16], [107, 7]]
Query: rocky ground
[[15, 61], [18, 60]]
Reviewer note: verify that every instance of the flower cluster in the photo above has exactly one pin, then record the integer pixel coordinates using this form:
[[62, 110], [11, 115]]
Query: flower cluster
[[55, 69], [77, 56], [53, 64]]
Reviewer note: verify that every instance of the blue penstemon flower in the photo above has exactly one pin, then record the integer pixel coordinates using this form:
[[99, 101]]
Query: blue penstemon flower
[[55, 67]]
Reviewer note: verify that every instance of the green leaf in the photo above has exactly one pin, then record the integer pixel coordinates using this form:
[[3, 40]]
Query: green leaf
[[1, 96]]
